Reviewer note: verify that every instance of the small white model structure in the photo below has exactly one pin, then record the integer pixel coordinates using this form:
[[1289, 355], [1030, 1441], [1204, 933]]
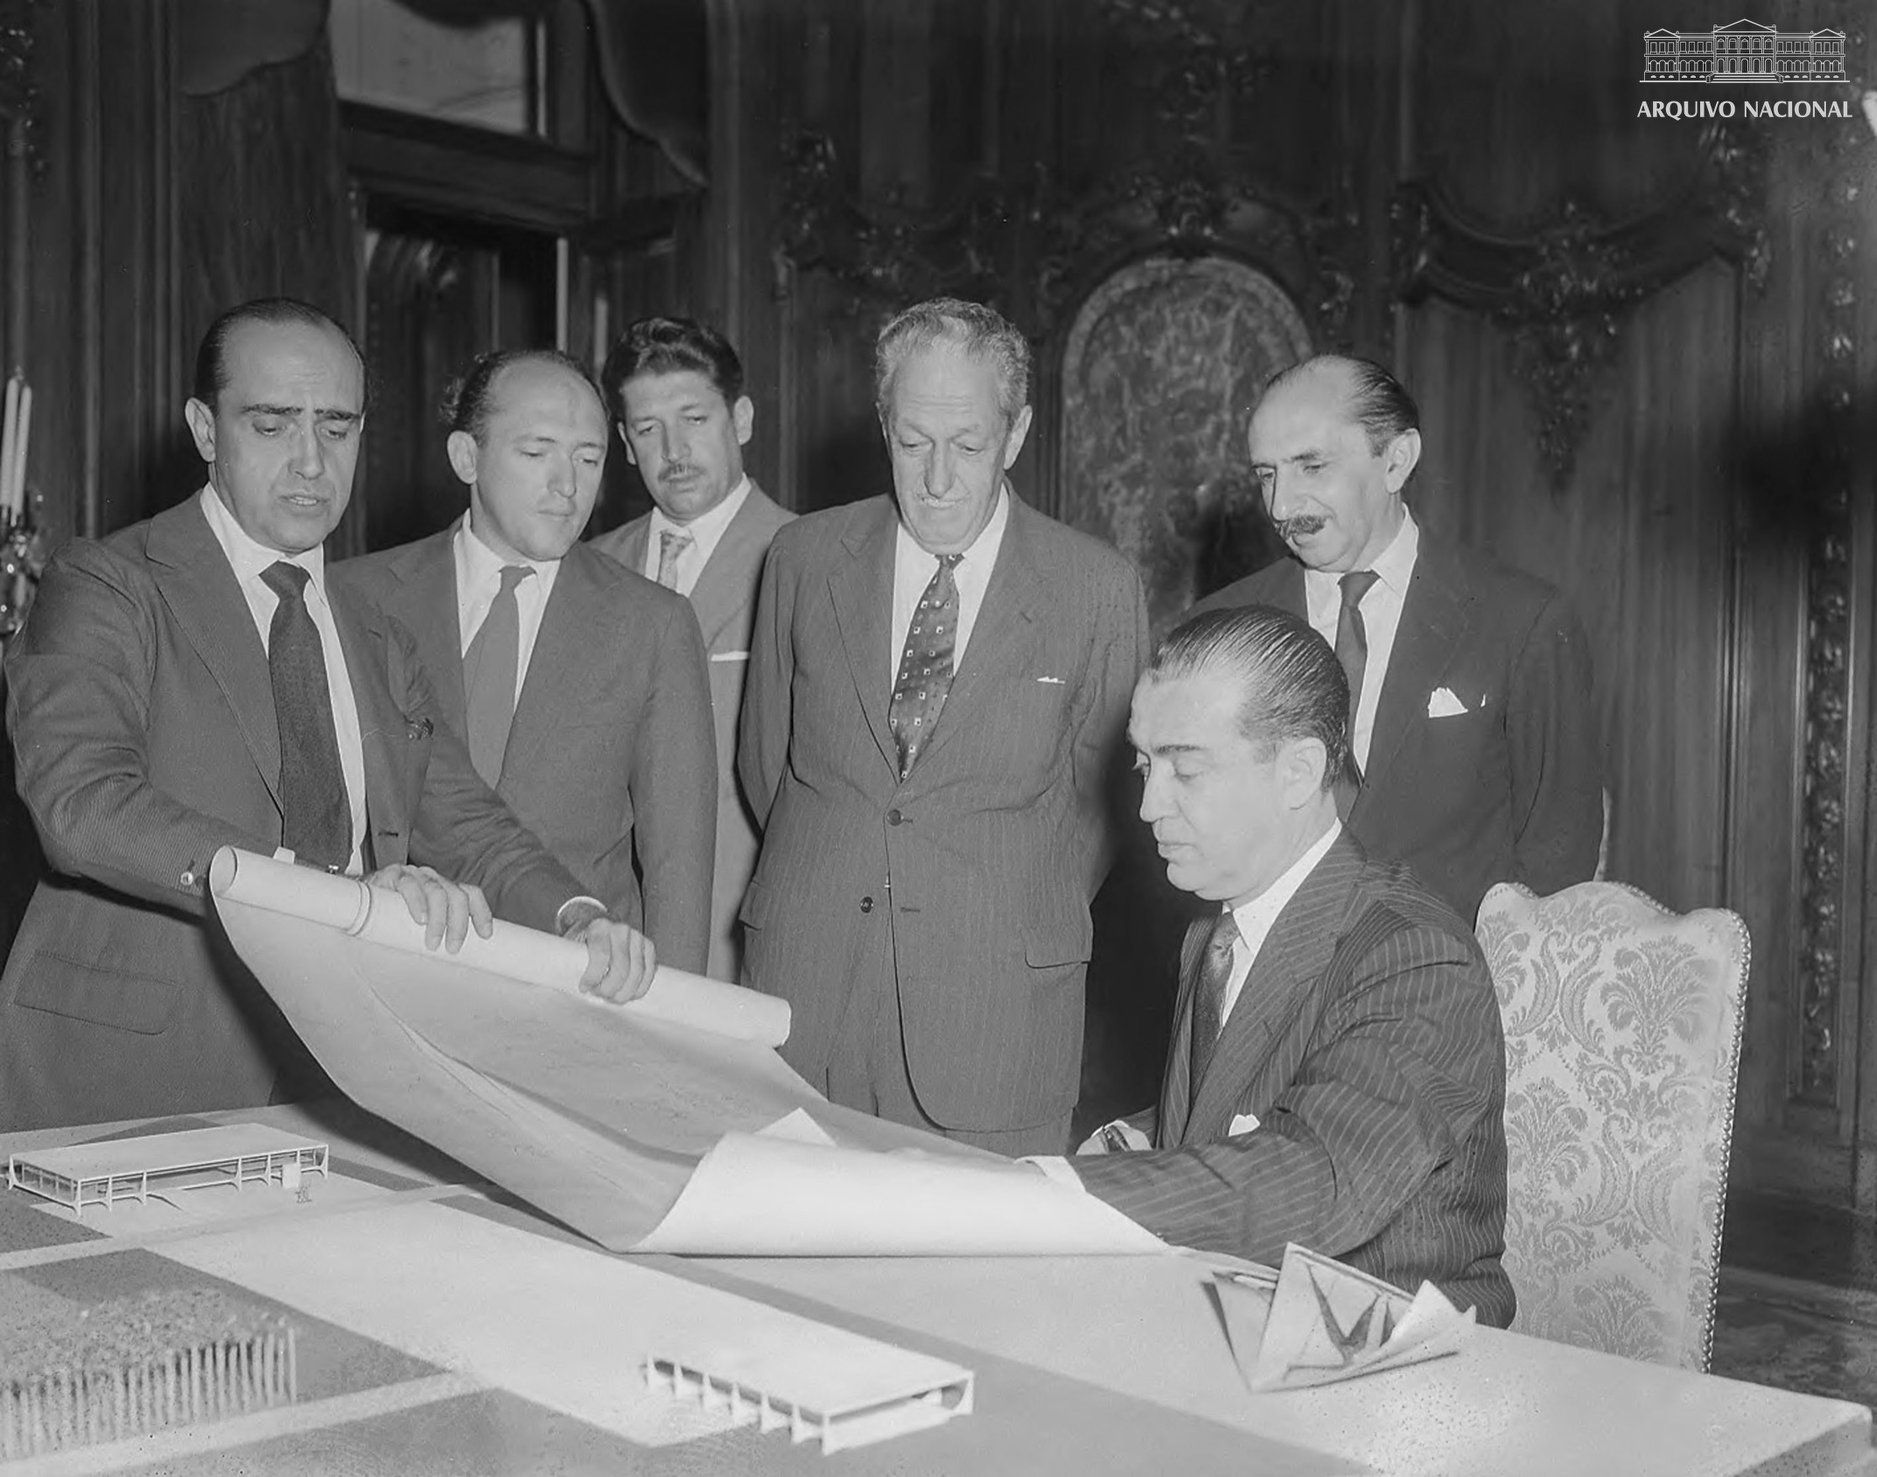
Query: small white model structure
[[839, 1388], [158, 1164]]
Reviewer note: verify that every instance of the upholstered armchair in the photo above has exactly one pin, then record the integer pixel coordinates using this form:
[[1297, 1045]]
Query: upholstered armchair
[[1622, 1025]]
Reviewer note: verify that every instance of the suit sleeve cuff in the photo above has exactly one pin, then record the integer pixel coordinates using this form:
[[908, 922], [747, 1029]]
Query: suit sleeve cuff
[[576, 913], [1056, 1168]]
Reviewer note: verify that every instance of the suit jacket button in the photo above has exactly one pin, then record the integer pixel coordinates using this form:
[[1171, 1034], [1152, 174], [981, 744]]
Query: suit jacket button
[[866, 905], [188, 879], [893, 817]]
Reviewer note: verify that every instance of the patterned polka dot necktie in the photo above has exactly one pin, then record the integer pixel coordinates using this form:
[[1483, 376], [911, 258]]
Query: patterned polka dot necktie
[[925, 669]]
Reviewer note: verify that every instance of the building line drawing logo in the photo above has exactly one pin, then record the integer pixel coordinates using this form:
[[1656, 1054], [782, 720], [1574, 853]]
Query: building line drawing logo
[[1743, 52]]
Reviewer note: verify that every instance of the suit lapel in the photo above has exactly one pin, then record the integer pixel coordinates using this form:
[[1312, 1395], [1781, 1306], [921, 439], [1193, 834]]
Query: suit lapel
[[1288, 968], [629, 550], [1006, 630], [383, 727], [1176, 1089], [1433, 620], [861, 587], [1289, 595], [426, 575], [199, 586], [723, 586], [572, 624]]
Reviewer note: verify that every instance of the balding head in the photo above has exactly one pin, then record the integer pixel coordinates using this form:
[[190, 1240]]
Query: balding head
[[1333, 442]]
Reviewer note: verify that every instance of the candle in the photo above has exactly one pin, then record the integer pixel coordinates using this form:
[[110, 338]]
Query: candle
[[18, 505], [9, 433]]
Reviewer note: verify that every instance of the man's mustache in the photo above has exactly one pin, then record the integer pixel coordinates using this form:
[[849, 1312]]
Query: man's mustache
[[1303, 525]]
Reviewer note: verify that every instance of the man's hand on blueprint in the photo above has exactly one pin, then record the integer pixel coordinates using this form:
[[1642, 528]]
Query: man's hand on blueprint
[[445, 908], [620, 960]]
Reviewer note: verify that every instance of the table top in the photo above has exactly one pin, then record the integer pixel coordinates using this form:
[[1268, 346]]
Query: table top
[[446, 1328]]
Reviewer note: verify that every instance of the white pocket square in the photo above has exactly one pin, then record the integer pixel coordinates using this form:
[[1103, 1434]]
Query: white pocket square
[[1242, 1123], [729, 656], [1052, 681], [1441, 703]]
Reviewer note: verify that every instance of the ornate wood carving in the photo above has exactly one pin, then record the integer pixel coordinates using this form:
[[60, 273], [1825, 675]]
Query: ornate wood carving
[[19, 96], [1828, 626], [1035, 239], [1565, 292], [1035, 245]]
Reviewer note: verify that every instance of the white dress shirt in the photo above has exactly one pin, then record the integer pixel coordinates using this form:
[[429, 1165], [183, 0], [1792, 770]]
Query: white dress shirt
[[1256, 916], [250, 560], [479, 581], [1255, 919], [913, 569], [706, 530], [1381, 618]]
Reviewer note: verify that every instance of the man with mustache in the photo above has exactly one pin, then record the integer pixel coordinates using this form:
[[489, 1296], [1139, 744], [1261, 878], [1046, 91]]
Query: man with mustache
[[1474, 732], [938, 683], [578, 686], [196, 681], [677, 395]]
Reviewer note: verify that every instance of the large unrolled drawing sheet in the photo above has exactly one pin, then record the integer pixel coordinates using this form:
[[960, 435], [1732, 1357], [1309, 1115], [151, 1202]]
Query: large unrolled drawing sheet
[[666, 1125]]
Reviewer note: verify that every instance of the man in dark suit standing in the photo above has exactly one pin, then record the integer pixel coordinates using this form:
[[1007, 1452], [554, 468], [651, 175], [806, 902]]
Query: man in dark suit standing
[[1474, 729], [677, 394], [192, 683], [578, 686], [1337, 1070], [937, 687]]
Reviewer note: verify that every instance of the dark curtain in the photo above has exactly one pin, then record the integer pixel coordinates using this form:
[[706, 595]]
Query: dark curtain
[[262, 206]]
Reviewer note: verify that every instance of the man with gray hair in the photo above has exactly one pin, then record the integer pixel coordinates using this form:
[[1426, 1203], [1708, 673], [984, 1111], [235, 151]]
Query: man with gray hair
[[938, 684], [1337, 1070]]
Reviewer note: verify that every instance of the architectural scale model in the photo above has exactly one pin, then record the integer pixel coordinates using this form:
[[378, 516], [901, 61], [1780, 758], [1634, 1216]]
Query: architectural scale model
[[162, 1164]]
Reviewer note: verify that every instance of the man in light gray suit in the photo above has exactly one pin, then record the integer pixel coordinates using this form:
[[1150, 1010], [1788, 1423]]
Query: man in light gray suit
[[938, 686], [676, 389], [578, 686]]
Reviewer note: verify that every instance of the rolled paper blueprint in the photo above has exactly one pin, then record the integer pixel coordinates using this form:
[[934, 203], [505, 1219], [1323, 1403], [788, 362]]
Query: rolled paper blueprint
[[379, 915]]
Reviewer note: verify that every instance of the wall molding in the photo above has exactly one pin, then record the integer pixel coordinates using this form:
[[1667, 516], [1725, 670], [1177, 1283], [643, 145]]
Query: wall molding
[[1565, 292]]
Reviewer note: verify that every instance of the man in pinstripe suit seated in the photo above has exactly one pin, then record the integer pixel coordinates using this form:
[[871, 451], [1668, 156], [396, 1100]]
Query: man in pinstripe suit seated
[[1337, 1071]]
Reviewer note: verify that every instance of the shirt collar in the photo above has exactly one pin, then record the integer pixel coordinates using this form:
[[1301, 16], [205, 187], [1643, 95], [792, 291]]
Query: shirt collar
[[1274, 899], [990, 537], [705, 528], [482, 565], [249, 557], [1394, 566]]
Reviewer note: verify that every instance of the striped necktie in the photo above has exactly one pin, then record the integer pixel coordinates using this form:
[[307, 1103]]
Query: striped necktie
[[1215, 973]]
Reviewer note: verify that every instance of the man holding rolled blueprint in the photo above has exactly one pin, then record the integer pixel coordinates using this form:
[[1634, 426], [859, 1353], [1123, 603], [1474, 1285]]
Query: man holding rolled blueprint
[[579, 687], [188, 684], [1337, 1071]]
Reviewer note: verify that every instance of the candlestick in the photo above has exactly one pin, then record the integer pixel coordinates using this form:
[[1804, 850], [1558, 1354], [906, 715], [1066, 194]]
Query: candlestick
[[16, 509], [9, 432]]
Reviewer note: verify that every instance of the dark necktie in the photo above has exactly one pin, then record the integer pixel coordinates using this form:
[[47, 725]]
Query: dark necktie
[[489, 677], [925, 668], [315, 811], [1215, 971], [1352, 648]]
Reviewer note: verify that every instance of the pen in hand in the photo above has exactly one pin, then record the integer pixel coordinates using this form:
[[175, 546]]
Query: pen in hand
[[1112, 1139]]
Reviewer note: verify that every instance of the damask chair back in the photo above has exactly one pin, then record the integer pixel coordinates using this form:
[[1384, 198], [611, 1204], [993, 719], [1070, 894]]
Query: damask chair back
[[1622, 1024]]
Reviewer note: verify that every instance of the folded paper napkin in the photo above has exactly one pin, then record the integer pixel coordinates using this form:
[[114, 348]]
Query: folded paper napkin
[[1317, 1321]]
